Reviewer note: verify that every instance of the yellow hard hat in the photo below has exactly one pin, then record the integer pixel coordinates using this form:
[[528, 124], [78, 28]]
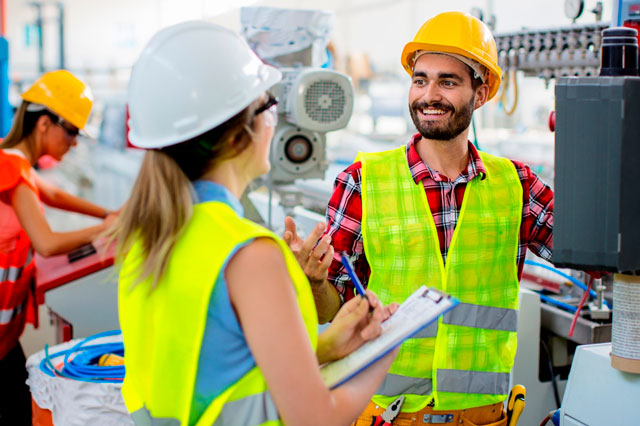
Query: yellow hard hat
[[460, 33], [64, 94]]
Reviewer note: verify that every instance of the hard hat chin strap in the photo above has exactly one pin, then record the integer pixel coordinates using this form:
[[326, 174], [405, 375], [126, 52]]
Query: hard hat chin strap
[[479, 70]]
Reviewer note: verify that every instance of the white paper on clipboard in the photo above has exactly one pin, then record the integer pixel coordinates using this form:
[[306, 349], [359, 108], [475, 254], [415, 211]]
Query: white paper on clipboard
[[420, 309]]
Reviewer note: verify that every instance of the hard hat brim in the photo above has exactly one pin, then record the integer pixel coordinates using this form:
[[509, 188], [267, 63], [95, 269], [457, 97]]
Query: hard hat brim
[[495, 73]]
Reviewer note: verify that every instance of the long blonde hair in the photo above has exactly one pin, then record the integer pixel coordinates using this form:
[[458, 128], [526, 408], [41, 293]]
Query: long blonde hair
[[161, 201], [22, 126]]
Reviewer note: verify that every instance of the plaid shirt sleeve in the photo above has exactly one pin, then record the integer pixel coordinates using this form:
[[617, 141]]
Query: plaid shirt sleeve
[[344, 217], [537, 214]]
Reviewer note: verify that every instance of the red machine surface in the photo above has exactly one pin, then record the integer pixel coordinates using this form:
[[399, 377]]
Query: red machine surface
[[55, 271]]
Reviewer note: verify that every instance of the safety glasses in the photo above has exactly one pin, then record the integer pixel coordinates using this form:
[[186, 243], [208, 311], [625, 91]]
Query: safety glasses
[[270, 106], [71, 130]]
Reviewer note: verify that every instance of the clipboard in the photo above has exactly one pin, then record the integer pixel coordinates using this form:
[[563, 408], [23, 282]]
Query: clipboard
[[420, 309]]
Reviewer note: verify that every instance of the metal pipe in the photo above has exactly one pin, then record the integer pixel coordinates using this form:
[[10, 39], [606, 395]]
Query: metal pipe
[[61, 32], [599, 292], [38, 24]]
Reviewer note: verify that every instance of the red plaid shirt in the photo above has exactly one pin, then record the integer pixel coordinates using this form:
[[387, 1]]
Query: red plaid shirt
[[344, 213]]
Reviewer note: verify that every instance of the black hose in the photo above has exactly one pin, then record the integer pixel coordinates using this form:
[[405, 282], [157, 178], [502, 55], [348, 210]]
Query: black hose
[[554, 384]]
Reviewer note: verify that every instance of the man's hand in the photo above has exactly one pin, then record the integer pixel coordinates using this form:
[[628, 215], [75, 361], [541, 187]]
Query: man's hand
[[314, 259]]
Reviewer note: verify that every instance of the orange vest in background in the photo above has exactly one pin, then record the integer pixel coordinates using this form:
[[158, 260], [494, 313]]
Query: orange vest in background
[[17, 267]]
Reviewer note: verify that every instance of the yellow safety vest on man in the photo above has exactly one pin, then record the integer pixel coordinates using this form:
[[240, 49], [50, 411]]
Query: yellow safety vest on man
[[163, 329], [464, 360]]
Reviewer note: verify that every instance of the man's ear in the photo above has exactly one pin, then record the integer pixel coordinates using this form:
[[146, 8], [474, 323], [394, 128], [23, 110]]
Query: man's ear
[[482, 94]]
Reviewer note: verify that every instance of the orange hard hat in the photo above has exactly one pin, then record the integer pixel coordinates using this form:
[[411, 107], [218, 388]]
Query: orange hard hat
[[458, 33], [63, 94]]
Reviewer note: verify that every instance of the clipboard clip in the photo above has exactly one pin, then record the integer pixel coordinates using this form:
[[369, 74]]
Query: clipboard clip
[[433, 294]]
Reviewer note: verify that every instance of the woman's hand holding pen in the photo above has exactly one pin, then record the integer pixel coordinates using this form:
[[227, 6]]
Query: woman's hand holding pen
[[352, 327]]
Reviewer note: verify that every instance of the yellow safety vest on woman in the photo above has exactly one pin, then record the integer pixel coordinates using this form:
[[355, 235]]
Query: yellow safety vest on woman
[[464, 360], [163, 329]]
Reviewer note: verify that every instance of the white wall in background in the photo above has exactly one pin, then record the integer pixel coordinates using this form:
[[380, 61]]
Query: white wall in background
[[104, 37], [109, 34]]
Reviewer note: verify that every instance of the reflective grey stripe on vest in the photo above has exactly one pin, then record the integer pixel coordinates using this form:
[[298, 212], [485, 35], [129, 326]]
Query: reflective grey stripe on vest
[[248, 411], [479, 316], [459, 381], [142, 417], [394, 384], [429, 331], [484, 382], [13, 273], [6, 315]]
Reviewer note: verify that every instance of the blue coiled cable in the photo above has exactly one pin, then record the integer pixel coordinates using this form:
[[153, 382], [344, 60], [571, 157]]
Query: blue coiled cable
[[82, 367], [569, 277]]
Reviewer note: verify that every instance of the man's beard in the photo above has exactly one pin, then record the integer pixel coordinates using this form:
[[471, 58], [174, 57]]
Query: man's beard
[[457, 123]]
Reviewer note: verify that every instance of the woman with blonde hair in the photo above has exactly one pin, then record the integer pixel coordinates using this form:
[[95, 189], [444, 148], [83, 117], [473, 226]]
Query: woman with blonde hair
[[47, 122], [218, 319]]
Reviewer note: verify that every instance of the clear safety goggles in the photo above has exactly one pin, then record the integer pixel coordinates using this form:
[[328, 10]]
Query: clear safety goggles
[[271, 107]]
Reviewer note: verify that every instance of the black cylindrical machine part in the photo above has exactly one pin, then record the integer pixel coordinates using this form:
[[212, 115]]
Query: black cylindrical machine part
[[619, 54]]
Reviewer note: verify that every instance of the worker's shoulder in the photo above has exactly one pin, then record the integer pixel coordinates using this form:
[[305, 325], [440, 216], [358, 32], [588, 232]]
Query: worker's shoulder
[[13, 168], [261, 253]]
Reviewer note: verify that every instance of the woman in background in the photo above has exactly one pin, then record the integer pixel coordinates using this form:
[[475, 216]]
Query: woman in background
[[47, 122], [218, 319]]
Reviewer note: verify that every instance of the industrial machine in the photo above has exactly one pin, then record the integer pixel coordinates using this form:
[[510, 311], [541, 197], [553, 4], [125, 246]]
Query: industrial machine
[[595, 69], [313, 100], [552, 52], [597, 393], [596, 125]]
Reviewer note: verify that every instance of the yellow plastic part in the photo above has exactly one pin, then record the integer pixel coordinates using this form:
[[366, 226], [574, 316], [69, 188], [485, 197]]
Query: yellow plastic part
[[461, 33], [64, 94], [515, 405], [109, 360]]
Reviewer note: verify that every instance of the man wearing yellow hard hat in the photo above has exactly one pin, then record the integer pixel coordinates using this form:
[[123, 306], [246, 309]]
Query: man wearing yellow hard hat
[[438, 211], [52, 113]]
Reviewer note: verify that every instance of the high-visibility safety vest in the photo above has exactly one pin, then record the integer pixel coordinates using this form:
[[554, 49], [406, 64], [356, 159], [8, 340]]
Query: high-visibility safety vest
[[17, 270], [464, 360], [17, 267], [163, 329]]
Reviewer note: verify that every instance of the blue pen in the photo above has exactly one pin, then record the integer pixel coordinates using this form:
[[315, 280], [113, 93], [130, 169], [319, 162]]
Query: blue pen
[[354, 278]]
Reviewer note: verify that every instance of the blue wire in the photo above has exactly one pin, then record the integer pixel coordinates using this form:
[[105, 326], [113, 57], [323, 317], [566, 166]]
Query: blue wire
[[569, 277], [558, 303], [80, 367]]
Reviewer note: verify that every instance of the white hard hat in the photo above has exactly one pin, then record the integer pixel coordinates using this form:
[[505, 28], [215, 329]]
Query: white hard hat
[[190, 78]]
